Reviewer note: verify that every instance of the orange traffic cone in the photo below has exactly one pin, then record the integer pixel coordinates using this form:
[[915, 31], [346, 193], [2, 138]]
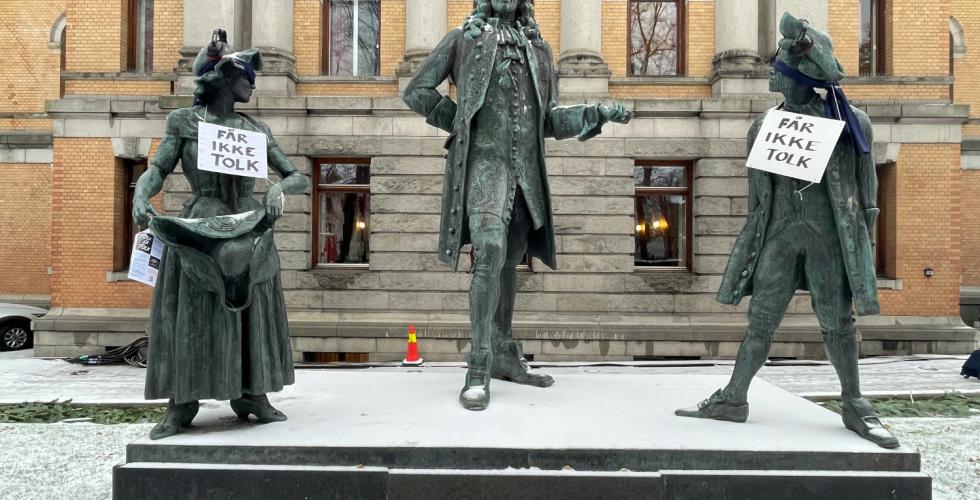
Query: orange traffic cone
[[412, 358]]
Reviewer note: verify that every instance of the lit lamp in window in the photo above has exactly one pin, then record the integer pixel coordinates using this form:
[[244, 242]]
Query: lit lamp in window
[[661, 224], [361, 225], [640, 227]]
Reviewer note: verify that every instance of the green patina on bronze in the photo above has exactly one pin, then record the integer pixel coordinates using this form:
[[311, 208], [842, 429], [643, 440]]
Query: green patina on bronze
[[495, 191], [218, 317], [805, 237]]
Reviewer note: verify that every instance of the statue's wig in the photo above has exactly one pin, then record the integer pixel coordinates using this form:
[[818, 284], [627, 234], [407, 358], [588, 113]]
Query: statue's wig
[[483, 11]]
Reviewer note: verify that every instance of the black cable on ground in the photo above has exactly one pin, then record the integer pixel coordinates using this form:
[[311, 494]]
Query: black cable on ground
[[132, 353]]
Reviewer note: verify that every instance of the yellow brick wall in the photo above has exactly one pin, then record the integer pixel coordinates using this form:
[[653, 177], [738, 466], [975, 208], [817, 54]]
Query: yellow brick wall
[[306, 36], [700, 38], [168, 34], [892, 92], [548, 15], [96, 35], [970, 181], [927, 231], [25, 223], [457, 10], [620, 91], [392, 35], [118, 87], [83, 221], [346, 88], [844, 26], [918, 42], [614, 36], [31, 73]]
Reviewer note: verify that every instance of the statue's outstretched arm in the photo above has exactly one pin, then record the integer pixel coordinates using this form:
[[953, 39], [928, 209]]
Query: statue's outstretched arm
[[421, 94], [583, 121]]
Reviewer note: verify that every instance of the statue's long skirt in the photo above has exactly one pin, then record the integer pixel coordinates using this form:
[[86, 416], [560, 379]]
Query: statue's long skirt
[[201, 350]]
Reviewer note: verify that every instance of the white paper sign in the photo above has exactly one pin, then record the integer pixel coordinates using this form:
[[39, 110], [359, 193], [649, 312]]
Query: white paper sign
[[144, 262], [231, 151], [795, 145]]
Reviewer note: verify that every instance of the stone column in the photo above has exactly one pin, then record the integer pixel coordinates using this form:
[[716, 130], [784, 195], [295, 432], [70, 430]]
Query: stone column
[[581, 68], [425, 25], [272, 33], [200, 20], [737, 66], [815, 11]]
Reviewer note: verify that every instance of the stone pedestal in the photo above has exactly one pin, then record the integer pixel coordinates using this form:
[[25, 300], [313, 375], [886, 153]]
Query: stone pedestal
[[399, 433]]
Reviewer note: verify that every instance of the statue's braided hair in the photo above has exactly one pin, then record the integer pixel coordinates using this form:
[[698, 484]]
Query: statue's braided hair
[[474, 23]]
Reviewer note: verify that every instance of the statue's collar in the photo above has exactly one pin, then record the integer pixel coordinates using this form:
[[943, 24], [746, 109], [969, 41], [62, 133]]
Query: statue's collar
[[497, 22]]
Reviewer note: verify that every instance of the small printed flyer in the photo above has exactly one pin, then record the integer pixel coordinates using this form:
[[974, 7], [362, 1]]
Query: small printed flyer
[[144, 262]]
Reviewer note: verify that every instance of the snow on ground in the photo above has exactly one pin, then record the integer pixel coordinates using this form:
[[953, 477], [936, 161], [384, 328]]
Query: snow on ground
[[62, 461], [950, 449]]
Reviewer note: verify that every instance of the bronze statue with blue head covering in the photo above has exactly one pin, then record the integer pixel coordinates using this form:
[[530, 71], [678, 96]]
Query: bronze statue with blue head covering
[[218, 326], [807, 236]]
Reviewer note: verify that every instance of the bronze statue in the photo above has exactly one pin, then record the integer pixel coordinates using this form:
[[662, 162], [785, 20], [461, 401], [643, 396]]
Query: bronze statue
[[218, 318], [807, 237], [495, 192]]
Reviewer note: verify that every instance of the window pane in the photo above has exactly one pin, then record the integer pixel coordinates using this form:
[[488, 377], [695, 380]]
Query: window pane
[[661, 230], [344, 29], [344, 228], [344, 173], [868, 53], [659, 176], [653, 38]]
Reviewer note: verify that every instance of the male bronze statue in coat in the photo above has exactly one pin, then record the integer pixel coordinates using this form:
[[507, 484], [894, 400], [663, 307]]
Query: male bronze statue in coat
[[495, 192], [807, 236]]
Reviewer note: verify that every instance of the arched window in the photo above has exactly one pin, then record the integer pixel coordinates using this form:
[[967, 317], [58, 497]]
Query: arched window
[[958, 38]]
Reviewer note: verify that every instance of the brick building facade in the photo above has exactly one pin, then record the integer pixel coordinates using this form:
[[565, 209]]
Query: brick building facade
[[83, 109]]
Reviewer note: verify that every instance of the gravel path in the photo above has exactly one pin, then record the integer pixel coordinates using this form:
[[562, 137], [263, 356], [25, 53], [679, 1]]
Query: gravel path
[[74, 461]]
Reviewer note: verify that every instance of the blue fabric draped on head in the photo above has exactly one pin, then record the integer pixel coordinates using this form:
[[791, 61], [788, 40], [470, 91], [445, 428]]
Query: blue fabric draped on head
[[836, 106], [211, 71]]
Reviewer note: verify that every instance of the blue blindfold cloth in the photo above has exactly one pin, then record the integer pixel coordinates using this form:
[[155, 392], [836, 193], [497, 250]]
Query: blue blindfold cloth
[[835, 106], [213, 61]]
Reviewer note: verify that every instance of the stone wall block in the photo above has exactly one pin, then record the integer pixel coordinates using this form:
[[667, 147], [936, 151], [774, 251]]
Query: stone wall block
[[404, 242], [594, 224], [402, 261], [404, 223], [356, 299], [714, 245], [292, 241], [720, 167], [587, 186], [597, 244], [371, 125], [414, 184], [580, 205], [711, 186], [718, 225], [405, 204], [712, 205], [594, 263], [408, 165]]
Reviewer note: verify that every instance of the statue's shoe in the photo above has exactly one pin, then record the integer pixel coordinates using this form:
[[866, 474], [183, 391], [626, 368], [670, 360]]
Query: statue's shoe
[[256, 405], [860, 417], [178, 416], [717, 408], [509, 365], [475, 394]]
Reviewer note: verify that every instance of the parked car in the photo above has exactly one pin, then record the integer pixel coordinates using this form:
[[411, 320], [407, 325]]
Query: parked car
[[15, 326]]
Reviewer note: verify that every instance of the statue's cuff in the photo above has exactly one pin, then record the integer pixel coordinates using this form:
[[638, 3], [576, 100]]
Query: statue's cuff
[[870, 216], [591, 123], [443, 115]]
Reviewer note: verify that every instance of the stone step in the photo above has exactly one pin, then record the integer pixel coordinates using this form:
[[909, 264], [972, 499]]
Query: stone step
[[175, 481]]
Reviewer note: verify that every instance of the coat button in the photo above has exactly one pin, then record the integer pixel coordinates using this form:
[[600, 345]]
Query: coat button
[[745, 273], [452, 230], [456, 188], [452, 211], [757, 235], [479, 45], [477, 57], [449, 252], [754, 254]]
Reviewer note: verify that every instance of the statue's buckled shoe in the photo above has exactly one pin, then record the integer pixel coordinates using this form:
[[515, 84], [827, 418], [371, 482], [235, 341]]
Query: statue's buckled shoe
[[717, 408], [860, 417], [259, 406], [178, 416], [475, 394], [509, 364]]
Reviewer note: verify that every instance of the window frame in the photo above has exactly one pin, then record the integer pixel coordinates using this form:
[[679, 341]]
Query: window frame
[[681, 40], [686, 191], [139, 36], [131, 170], [879, 39], [318, 189], [325, 42]]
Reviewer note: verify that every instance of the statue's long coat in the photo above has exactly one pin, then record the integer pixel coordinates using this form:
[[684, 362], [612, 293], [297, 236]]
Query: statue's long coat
[[469, 62], [853, 187]]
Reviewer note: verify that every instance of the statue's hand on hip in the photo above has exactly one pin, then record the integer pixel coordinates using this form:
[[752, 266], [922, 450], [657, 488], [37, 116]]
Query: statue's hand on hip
[[616, 113], [274, 201], [143, 211]]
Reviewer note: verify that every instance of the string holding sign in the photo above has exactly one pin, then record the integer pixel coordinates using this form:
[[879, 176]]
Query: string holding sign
[[795, 145], [232, 151]]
